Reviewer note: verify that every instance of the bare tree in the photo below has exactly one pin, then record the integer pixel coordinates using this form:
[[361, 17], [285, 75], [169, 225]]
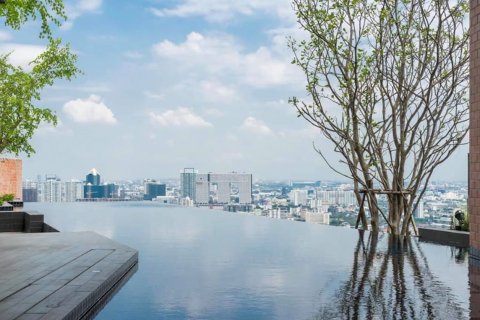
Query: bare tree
[[388, 82]]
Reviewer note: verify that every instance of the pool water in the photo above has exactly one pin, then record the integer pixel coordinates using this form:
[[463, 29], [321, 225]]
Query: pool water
[[207, 264]]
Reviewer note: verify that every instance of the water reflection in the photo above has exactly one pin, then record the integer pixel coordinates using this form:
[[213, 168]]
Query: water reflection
[[392, 281]]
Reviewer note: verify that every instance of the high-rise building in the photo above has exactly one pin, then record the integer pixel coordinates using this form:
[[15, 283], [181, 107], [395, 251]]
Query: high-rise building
[[93, 177], [94, 190], [298, 197], [52, 189], [73, 190], [202, 189], [153, 190], [187, 182]]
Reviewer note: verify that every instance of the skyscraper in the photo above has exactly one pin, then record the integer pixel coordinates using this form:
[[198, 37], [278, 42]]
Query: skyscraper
[[93, 189], [93, 177], [153, 190], [187, 182], [73, 190]]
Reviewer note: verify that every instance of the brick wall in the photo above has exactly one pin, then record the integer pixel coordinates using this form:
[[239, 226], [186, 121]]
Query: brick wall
[[11, 177]]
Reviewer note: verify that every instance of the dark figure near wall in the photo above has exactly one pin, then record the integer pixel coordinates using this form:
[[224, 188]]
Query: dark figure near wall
[[460, 216]]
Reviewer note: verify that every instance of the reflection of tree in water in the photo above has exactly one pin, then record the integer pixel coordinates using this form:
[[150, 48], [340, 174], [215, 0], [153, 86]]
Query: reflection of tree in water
[[392, 282]]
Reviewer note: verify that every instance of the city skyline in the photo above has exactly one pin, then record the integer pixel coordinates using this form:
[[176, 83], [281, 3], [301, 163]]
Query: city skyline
[[180, 84]]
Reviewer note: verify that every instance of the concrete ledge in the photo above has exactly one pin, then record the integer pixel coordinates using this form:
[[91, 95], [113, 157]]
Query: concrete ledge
[[445, 237]]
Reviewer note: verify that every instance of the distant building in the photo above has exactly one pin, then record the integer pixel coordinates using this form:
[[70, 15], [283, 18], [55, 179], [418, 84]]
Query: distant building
[[94, 190], [165, 199], [30, 195], [338, 197], [73, 190], [320, 217], [216, 188], [51, 189], [153, 190], [420, 211], [298, 197], [187, 183], [186, 202], [93, 178]]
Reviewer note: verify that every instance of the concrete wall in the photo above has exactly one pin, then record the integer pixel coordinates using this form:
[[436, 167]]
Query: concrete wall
[[11, 177]]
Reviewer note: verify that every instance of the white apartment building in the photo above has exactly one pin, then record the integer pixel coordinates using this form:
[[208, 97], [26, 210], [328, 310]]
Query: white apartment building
[[223, 186], [73, 190], [298, 197], [317, 217], [54, 190], [50, 191], [337, 197]]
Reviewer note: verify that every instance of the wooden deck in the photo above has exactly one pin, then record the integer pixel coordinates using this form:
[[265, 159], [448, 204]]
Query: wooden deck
[[60, 275]]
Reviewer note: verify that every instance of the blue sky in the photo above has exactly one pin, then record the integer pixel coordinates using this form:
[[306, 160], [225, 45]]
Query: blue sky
[[178, 83]]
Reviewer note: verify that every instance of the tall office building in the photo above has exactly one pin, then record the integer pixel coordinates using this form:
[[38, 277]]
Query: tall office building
[[94, 190], [153, 190], [93, 177], [187, 182]]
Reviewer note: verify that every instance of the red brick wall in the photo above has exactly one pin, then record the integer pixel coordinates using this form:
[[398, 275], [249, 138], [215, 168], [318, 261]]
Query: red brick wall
[[11, 177]]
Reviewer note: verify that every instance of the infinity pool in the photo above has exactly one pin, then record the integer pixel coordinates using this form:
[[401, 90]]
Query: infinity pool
[[203, 264]]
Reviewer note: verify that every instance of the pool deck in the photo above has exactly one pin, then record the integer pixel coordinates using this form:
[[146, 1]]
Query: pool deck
[[60, 275]]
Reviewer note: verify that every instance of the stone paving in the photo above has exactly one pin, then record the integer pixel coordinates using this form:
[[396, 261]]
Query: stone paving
[[59, 275]]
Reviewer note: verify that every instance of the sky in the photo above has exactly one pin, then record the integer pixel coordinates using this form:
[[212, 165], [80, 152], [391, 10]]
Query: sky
[[170, 84]]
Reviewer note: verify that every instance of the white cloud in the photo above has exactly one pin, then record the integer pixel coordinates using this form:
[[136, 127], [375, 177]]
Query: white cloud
[[78, 8], [256, 126], [219, 56], [90, 110], [223, 10], [216, 91], [182, 117], [21, 54]]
